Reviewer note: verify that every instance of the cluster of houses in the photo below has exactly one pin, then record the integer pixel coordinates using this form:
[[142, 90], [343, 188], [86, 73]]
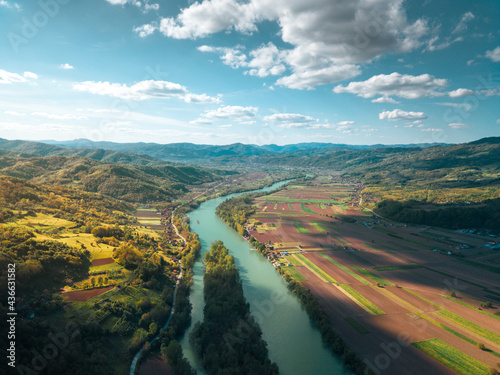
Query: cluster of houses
[[277, 258]]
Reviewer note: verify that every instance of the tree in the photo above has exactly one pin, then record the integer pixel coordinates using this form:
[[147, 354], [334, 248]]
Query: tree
[[92, 281], [99, 280]]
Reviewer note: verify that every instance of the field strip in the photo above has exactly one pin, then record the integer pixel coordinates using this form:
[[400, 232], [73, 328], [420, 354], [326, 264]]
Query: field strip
[[371, 275], [355, 300], [401, 302], [468, 325], [451, 357], [497, 317], [347, 270], [315, 269], [363, 300]]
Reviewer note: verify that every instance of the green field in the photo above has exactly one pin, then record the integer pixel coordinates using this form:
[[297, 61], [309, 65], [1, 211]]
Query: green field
[[319, 227], [356, 325], [290, 206], [300, 227], [451, 357], [369, 305], [497, 317], [371, 275], [293, 261], [316, 269], [487, 334], [397, 268], [308, 210], [345, 269], [293, 273], [102, 269]]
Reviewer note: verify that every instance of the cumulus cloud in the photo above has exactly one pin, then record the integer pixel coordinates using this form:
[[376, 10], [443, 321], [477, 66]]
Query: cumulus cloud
[[385, 99], [289, 120], [399, 114], [395, 84], [494, 55], [66, 66], [7, 78], [144, 90], [459, 93], [327, 38], [145, 6], [234, 112]]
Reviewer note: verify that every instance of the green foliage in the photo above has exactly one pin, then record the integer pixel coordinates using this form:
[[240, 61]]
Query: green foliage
[[218, 340], [451, 357]]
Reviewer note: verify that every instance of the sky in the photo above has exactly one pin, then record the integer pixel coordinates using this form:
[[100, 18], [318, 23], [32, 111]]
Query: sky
[[253, 71]]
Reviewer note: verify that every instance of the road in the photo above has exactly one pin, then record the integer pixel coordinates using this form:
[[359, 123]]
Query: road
[[172, 312]]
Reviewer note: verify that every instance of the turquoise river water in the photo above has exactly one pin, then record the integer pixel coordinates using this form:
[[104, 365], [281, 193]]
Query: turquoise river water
[[294, 343]]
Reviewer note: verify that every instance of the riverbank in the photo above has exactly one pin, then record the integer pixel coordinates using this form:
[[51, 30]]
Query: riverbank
[[293, 342]]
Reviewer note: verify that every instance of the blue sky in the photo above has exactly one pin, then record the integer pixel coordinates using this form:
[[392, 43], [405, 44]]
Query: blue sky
[[254, 71]]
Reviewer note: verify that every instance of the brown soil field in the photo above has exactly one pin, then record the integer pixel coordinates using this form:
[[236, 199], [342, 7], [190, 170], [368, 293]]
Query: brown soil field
[[154, 365], [374, 243], [341, 276], [332, 299], [102, 262], [85, 295]]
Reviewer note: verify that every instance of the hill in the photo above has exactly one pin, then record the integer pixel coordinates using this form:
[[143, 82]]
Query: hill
[[127, 182]]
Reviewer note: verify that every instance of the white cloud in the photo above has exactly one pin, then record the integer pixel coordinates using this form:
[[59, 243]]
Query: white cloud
[[289, 120], [431, 130], [9, 5], [498, 121], [399, 114], [232, 112], [459, 93], [457, 125], [327, 38], [8, 78], [201, 121], [494, 55], [14, 113], [66, 66], [433, 45], [463, 106], [144, 90], [263, 61], [462, 25], [54, 116], [385, 99], [144, 5], [395, 84], [307, 79]]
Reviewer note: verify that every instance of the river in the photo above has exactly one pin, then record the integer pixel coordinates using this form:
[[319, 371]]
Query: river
[[294, 343]]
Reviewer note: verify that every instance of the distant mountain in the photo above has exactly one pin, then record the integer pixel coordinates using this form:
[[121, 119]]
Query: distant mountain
[[172, 152], [26, 148], [190, 152]]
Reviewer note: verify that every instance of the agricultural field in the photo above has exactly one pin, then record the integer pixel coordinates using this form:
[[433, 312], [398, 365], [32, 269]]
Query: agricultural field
[[429, 294]]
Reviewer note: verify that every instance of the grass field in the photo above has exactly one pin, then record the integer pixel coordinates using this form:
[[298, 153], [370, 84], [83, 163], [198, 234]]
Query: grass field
[[316, 269], [318, 227], [356, 325], [347, 270], [398, 268], [371, 275], [451, 357], [365, 302], [487, 334], [293, 273], [102, 269], [308, 210], [290, 207], [497, 317], [300, 227], [293, 261]]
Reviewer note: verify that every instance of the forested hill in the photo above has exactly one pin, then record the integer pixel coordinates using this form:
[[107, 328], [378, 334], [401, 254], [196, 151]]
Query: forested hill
[[127, 182], [27, 148]]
